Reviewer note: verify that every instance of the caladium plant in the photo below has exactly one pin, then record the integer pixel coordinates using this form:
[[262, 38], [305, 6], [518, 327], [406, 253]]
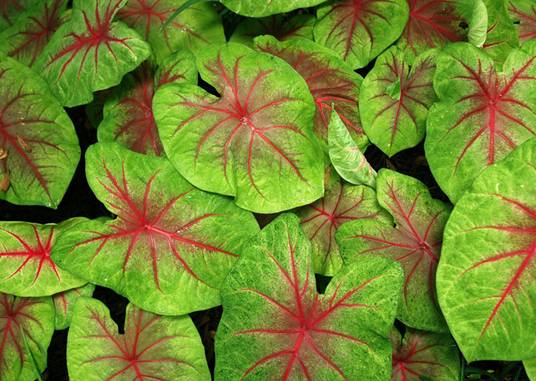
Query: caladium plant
[[10, 9], [152, 347], [128, 113], [320, 220], [414, 241], [26, 268], [26, 328], [91, 49], [530, 368], [194, 29], [501, 36], [524, 11], [486, 273], [65, 301], [481, 116], [359, 30], [255, 142], [26, 39], [170, 246], [39, 148], [333, 84], [285, 330], [422, 355], [395, 98], [260, 8]]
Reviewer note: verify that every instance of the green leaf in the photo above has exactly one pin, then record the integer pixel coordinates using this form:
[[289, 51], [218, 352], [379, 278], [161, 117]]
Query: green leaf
[[170, 246], [395, 98], [152, 347], [341, 203], [530, 368], [346, 157], [30, 319], [10, 10], [502, 36], [255, 142], [90, 50], [276, 326], [421, 356], [65, 301], [26, 39], [26, 268], [333, 84], [39, 148], [414, 241], [524, 12], [482, 114], [194, 29], [478, 24], [360, 30], [261, 8], [280, 26], [485, 278], [128, 112]]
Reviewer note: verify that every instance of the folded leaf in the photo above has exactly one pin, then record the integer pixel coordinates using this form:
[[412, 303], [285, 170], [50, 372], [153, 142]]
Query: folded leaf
[[65, 301], [485, 279], [255, 142], [277, 327], [414, 241], [481, 116], [170, 246], [152, 348], [260, 8], [478, 24]]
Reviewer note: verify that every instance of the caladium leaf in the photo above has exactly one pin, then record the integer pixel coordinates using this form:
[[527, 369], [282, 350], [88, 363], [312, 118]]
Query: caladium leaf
[[170, 246], [153, 347], [431, 24], [481, 114], [333, 84], [478, 24], [260, 8], [524, 11], [424, 356], [530, 368], [346, 157], [91, 49], [342, 203], [128, 113], [359, 30], [414, 241], [279, 26], [255, 142], [26, 268], [501, 36], [395, 98], [27, 38], [194, 29], [65, 301], [26, 328], [277, 327], [10, 10], [39, 148], [485, 278]]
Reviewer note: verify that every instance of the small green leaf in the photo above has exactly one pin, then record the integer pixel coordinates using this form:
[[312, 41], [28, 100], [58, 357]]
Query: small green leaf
[[64, 304], [478, 24]]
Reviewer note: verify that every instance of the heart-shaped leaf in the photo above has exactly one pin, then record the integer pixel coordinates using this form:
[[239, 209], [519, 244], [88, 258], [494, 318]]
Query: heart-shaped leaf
[[152, 348], [485, 279], [26, 268], [170, 246], [530, 368], [424, 356], [333, 84], [255, 142], [359, 30], [345, 155], [414, 241], [39, 148], [91, 50], [27, 38], [260, 8], [524, 11], [395, 98], [341, 203], [128, 112], [277, 327], [26, 328], [481, 114], [280, 26], [65, 301], [194, 29]]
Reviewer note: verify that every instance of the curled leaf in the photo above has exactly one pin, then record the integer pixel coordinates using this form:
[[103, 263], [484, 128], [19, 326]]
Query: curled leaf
[[478, 24]]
